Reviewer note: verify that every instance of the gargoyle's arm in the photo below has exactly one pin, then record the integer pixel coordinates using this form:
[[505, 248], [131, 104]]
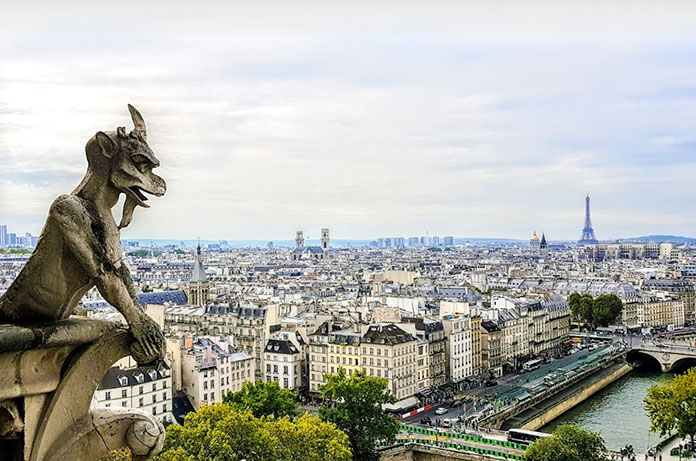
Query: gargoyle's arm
[[111, 278]]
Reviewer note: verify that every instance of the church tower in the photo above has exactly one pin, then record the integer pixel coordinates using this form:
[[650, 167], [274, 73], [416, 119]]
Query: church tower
[[198, 285], [299, 240], [325, 239], [543, 246]]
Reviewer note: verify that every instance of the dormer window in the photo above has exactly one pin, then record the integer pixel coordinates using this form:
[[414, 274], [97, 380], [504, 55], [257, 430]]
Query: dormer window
[[140, 377], [153, 374], [123, 380]]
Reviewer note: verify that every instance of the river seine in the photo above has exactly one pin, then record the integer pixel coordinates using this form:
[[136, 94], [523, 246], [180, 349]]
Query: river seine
[[617, 412]]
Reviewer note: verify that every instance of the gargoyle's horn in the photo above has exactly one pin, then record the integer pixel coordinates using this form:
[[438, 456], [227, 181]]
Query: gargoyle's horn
[[138, 122]]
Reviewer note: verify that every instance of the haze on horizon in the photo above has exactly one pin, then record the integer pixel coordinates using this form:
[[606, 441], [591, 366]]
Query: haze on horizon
[[392, 120]]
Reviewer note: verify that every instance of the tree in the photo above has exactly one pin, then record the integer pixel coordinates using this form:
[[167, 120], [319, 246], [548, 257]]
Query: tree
[[123, 454], [550, 449], [606, 309], [574, 306], [263, 399], [587, 309], [672, 406], [219, 432], [568, 443], [357, 410]]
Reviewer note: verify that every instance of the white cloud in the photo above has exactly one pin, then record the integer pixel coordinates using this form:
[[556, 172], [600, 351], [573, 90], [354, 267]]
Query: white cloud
[[262, 130]]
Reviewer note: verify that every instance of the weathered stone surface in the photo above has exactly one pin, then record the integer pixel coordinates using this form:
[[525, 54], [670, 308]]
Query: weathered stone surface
[[50, 364], [80, 245]]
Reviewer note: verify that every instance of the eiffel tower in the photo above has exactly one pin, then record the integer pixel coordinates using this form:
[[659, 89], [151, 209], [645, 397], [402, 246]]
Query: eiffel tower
[[588, 236]]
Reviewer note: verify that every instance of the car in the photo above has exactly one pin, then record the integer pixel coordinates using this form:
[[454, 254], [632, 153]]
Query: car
[[446, 423], [441, 411], [426, 420]]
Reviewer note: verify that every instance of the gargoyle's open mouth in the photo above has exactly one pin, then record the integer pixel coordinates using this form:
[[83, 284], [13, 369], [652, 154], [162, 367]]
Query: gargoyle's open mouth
[[137, 193]]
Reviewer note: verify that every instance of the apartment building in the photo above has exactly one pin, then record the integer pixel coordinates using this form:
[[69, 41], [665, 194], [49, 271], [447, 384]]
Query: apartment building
[[146, 388], [283, 362], [208, 371]]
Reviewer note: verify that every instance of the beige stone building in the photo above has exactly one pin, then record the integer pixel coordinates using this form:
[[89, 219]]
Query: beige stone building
[[249, 324], [655, 311], [208, 371], [476, 332], [491, 348]]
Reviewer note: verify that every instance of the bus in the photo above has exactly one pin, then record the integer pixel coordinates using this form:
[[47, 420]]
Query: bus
[[532, 365], [524, 436]]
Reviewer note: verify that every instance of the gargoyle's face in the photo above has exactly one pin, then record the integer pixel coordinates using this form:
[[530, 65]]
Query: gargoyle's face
[[132, 173], [129, 161]]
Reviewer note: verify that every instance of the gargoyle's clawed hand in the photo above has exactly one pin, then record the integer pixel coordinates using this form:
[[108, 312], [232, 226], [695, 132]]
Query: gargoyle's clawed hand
[[148, 346]]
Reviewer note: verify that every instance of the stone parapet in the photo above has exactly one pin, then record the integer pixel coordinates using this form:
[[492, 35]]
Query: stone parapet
[[48, 375]]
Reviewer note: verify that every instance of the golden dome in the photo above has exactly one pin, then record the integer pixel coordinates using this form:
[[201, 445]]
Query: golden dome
[[535, 237]]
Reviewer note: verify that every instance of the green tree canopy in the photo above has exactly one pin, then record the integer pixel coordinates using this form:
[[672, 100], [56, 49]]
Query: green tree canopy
[[263, 399], [672, 406], [606, 309], [600, 311], [568, 443], [219, 432], [357, 410]]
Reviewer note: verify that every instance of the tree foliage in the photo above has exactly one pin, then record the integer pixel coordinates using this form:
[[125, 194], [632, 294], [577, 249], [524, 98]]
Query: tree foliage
[[357, 410], [672, 406], [123, 454], [568, 443], [263, 399], [599, 311], [219, 432]]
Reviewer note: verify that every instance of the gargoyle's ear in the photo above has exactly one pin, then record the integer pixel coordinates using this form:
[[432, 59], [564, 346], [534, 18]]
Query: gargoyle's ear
[[107, 146]]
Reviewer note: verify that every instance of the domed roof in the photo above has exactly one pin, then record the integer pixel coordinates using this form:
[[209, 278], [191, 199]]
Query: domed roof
[[535, 237]]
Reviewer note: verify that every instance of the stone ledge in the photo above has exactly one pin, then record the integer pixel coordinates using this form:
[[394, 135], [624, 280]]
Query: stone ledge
[[73, 331], [48, 375]]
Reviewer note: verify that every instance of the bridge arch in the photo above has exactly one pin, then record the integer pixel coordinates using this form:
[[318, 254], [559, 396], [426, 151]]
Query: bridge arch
[[683, 364], [643, 359]]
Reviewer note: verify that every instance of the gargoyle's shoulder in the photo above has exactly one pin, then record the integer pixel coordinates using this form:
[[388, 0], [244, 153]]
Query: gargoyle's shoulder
[[68, 206]]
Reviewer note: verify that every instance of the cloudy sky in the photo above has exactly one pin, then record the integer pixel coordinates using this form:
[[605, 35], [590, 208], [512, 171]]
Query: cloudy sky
[[457, 119]]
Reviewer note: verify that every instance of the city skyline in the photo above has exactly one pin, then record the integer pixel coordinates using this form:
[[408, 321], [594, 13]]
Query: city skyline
[[491, 127]]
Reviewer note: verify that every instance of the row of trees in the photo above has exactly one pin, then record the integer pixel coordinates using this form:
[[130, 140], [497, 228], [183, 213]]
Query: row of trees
[[600, 311], [262, 422]]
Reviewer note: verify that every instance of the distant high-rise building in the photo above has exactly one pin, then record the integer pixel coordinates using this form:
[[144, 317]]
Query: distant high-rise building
[[424, 240], [269, 245], [3, 235], [399, 242], [435, 241], [11, 239], [413, 241], [588, 235], [449, 241]]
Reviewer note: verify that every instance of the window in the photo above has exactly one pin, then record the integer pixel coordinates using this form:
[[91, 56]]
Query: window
[[107, 396], [205, 396], [124, 393], [140, 402], [141, 389], [205, 385], [124, 403], [154, 387], [212, 384]]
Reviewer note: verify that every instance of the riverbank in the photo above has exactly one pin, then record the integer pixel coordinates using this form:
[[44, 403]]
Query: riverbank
[[617, 412], [551, 408]]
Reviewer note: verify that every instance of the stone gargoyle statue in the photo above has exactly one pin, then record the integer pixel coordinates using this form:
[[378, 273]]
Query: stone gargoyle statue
[[80, 245]]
